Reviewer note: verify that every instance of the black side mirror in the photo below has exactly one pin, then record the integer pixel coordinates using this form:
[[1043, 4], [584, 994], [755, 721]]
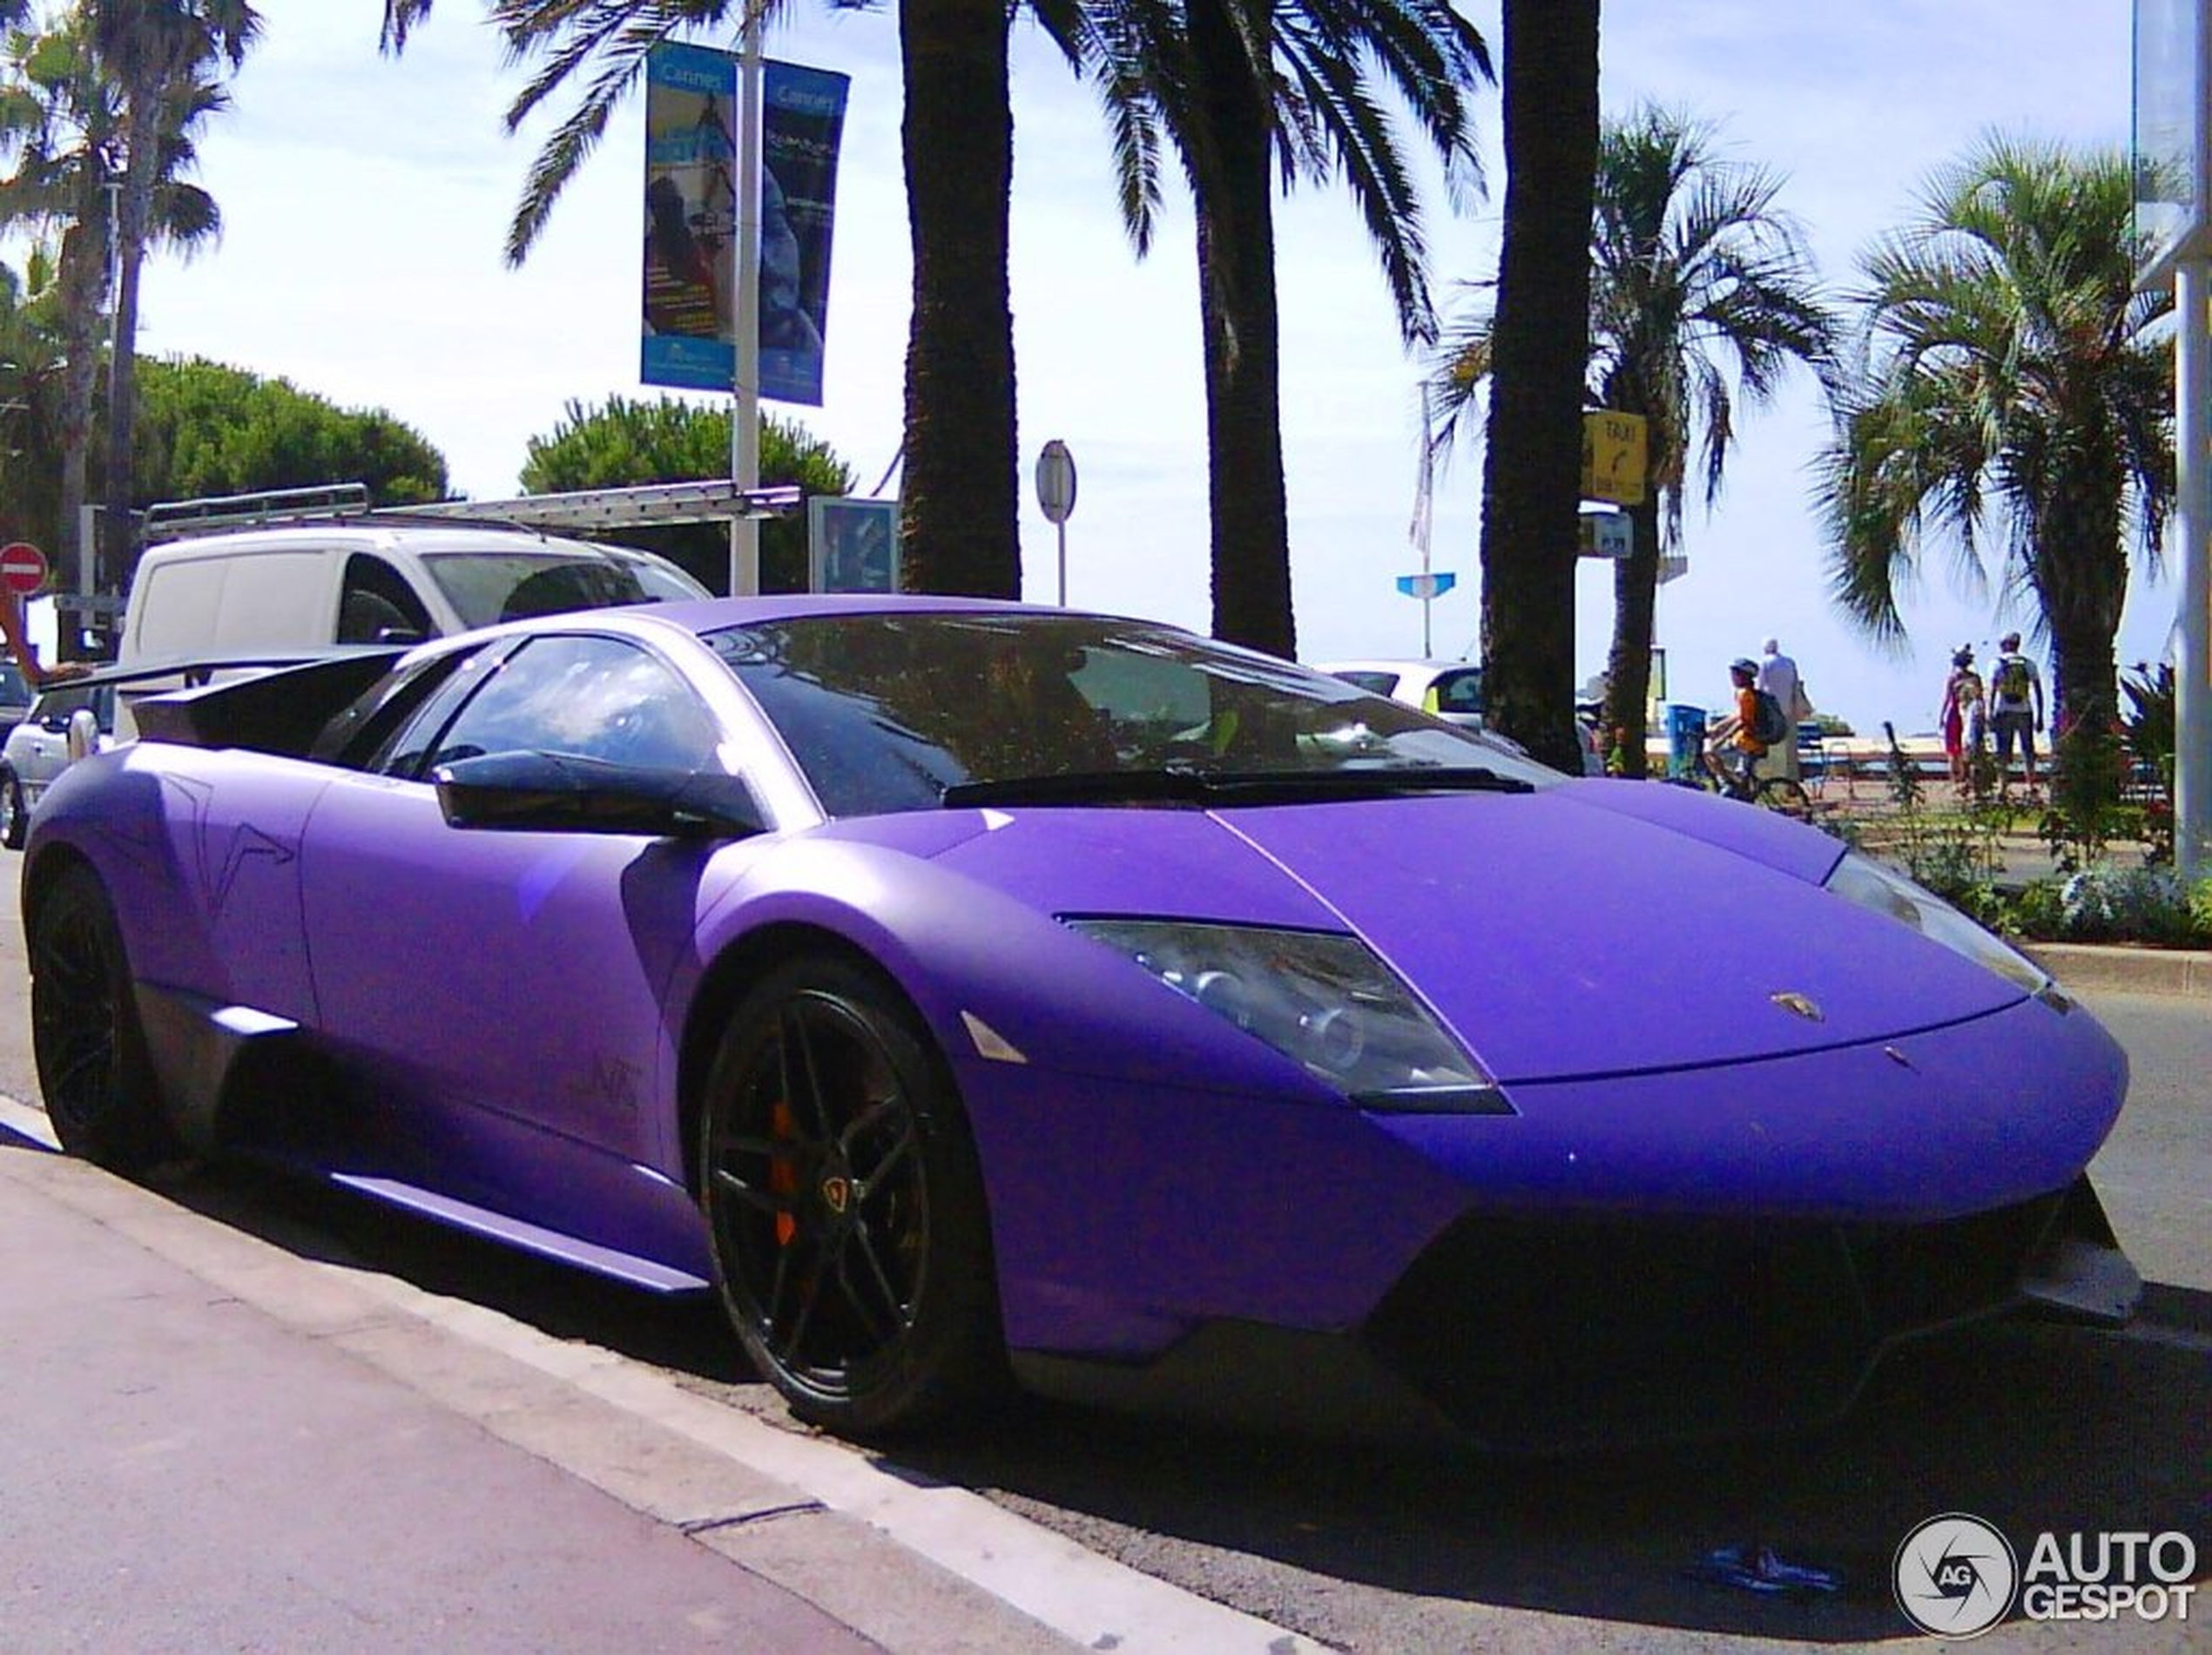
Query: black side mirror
[[563, 793]]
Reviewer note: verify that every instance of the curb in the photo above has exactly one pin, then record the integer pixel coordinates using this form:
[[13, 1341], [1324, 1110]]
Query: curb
[[2144, 970]]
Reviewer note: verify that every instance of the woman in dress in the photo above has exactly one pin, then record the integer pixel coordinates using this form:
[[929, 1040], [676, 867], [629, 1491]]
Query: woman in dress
[[1962, 715]]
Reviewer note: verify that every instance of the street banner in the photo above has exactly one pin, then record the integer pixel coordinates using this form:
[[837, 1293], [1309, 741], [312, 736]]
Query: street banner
[[802, 120], [689, 338]]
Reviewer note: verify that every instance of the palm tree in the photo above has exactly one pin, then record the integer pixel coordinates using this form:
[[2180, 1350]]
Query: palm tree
[[57, 128], [60, 125], [1235, 85], [958, 497], [2010, 372], [1694, 271], [159, 54], [30, 398], [1532, 461]]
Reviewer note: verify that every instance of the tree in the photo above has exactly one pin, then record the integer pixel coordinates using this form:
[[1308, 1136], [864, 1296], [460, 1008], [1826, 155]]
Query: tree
[[958, 499], [623, 442], [160, 53], [1235, 85], [207, 428], [2009, 374], [31, 374], [58, 128], [1532, 458], [1694, 272]]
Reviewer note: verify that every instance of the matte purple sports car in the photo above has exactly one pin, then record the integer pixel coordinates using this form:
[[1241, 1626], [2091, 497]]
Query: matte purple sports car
[[966, 990]]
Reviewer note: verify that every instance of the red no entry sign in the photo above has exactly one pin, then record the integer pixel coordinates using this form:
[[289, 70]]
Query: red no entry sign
[[22, 567]]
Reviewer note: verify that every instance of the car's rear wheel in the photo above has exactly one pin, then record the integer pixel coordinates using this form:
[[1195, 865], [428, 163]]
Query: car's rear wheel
[[94, 1069], [851, 1241], [15, 818]]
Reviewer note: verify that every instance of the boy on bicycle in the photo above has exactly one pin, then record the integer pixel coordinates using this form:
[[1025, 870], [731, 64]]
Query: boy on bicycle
[[1741, 728]]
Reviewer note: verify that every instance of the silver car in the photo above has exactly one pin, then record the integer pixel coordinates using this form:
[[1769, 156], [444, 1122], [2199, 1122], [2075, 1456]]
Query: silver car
[[38, 750]]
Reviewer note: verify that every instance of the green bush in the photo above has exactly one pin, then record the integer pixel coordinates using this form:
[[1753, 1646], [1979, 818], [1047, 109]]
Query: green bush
[[2108, 904], [2037, 911]]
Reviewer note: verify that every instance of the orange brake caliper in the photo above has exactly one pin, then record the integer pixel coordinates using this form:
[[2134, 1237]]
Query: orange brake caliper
[[783, 1172]]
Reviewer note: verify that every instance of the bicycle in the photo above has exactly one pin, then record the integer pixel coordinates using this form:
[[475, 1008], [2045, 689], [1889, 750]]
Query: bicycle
[[1784, 793]]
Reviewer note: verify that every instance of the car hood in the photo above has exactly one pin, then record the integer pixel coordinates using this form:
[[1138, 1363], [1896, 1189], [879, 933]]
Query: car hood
[[1595, 928]]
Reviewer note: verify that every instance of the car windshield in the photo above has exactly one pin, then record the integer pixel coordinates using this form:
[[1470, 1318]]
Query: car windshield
[[889, 712], [513, 586]]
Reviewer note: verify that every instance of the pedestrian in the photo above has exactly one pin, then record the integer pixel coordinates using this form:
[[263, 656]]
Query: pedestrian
[[26, 658], [1779, 677], [2015, 707], [1962, 716]]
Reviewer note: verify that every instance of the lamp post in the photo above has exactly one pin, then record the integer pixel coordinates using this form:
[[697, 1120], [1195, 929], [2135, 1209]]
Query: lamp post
[[2172, 133]]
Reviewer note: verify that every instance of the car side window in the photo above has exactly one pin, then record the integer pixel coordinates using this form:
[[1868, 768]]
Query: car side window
[[597, 698], [1374, 683], [379, 607], [1459, 692]]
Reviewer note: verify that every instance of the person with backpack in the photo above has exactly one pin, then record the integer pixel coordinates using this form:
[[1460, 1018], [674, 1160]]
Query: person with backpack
[[2015, 707], [1757, 724]]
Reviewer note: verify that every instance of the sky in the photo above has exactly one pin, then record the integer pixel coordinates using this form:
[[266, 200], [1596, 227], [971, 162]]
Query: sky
[[364, 202]]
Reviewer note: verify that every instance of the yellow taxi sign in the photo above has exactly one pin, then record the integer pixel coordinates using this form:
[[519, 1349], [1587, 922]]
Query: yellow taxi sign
[[1613, 459]]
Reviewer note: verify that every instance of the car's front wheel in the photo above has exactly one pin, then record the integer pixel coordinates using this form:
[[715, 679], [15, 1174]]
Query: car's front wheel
[[851, 1241], [15, 818], [93, 1068]]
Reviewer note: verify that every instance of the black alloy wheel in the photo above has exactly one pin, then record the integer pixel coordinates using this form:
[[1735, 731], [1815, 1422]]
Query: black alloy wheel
[[851, 1241], [94, 1069]]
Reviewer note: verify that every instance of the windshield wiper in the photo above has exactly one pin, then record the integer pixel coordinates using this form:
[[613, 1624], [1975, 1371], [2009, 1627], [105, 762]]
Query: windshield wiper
[[1182, 785], [1173, 786]]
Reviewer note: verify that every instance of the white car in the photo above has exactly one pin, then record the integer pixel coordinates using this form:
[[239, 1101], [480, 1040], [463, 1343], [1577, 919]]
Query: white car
[[37, 750], [1450, 690]]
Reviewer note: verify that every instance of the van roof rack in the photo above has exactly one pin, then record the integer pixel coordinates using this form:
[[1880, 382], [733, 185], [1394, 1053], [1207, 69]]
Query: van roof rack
[[710, 500]]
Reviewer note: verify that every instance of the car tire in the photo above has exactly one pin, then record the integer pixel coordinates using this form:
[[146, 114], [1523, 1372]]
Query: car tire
[[851, 1239], [14, 819], [91, 1051]]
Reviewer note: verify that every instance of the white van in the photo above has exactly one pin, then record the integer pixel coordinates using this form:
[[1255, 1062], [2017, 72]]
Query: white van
[[369, 582]]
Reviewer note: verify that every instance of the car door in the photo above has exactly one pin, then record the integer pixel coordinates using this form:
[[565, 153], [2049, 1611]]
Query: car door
[[509, 984]]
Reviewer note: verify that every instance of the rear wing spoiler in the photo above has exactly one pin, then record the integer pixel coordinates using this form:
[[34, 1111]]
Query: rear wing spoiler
[[270, 703]]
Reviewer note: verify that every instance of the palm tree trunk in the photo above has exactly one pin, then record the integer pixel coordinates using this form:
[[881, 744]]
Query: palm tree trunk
[[1235, 215], [141, 171], [1635, 602], [83, 275], [957, 495], [1532, 461]]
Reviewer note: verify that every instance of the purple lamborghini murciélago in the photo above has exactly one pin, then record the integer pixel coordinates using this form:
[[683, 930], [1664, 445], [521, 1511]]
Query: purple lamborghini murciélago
[[969, 993]]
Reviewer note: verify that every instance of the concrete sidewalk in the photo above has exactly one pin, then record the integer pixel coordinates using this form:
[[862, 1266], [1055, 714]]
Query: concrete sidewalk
[[184, 1471], [216, 1444]]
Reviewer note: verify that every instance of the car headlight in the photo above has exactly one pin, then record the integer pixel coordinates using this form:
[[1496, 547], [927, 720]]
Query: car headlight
[[1325, 1001], [1871, 885]]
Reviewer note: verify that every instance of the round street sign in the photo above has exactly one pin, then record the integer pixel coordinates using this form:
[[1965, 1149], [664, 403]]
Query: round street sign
[[1056, 482], [22, 567]]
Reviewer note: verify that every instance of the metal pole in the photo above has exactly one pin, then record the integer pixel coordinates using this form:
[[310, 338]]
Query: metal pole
[[1062, 527], [744, 422], [2192, 528]]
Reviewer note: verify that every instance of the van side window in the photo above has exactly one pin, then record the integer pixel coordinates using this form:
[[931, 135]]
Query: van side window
[[379, 607]]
